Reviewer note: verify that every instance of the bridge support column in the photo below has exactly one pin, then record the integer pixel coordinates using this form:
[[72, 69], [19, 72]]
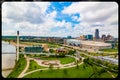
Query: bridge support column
[[17, 54]]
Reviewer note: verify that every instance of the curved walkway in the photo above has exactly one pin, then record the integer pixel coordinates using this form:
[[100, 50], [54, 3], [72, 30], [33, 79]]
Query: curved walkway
[[60, 67], [66, 66], [23, 72], [48, 69], [111, 74], [39, 62]]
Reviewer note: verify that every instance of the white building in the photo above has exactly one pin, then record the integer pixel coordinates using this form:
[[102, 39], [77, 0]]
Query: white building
[[94, 45]]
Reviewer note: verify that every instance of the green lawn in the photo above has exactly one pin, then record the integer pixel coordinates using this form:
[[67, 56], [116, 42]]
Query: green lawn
[[53, 46], [34, 43], [62, 73], [30, 43], [33, 66], [103, 75], [99, 74], [109, 50], [64, 60], [21, 64], [74, 72]]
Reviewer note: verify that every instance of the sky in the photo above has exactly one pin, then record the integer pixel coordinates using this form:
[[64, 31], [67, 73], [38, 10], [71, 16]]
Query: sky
[[59, 19]]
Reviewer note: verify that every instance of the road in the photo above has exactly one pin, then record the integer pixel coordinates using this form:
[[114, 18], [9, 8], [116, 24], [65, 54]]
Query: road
[[77, 48]]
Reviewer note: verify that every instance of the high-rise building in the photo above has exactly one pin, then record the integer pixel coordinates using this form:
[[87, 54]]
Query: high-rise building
[[69, 37], [109, 37], [89, 37], [103, 37], [96, 34]]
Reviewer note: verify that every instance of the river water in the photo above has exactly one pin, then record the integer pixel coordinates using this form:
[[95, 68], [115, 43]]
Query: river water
[[8, 58]]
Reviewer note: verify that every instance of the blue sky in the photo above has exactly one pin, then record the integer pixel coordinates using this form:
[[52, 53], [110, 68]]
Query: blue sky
[[59, 19]]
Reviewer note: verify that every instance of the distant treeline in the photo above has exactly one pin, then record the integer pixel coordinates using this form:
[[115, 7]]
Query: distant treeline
[[9, 37], [13, 37]]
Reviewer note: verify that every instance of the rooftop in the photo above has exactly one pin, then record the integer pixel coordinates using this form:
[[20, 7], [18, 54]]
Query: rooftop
[[95, 43], [92, 43]]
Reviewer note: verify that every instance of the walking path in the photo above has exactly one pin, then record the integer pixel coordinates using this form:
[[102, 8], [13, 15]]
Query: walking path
[[101, 65], [23, 72], [111, 74], [48, 69], [60, 67]]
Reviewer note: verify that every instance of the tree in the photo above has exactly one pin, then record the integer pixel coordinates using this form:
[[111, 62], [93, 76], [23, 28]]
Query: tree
[[71, 52], [95, 70], [84, 66], [105, 63], [65, 71], [77, 63], [80, 59], [98, 61], [102, 71], [61, 54], [35, 66], [109, 65], [85, 62], [51, 50], [115, 67]]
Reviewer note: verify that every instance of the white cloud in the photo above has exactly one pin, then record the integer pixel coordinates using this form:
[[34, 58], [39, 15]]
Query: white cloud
[[13, 9], [26, 17], [101, 14], [78, 7], [75, 18], [24, 11], [93, 11], [42, 5], [9, 32], [52, 15], [31, 18]]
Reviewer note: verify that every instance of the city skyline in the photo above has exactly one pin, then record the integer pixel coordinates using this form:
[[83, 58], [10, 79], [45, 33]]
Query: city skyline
[[59, 18]]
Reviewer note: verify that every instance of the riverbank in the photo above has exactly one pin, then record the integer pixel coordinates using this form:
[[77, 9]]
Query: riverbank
[[8, 58]]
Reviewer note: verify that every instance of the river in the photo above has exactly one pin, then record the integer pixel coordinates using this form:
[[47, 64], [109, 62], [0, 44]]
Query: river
[[8, 58]]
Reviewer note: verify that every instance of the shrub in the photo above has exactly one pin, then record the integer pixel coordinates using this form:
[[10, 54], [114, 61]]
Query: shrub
[[51, 50], [98, 61], [105, 63], [61, 55], [50, 66], [115, 67], [101, 71], [65, 71]]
